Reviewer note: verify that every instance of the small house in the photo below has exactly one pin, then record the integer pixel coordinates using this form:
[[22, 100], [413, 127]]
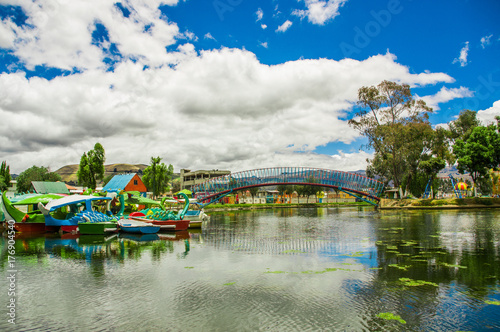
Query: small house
[[127, 182], [45, 187]]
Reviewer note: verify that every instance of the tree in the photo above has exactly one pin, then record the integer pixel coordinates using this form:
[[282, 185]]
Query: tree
[[157, 176], [398, 130], [253, 192], [35, 173], [92, 167], [4, 176], [479, 153], [463, 126]]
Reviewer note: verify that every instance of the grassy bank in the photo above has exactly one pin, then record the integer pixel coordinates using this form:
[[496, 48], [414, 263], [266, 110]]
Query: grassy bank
[[229, 207], [451, 203]]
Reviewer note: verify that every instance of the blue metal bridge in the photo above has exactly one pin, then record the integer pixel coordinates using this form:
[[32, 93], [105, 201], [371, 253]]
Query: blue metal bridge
[[359, 186]]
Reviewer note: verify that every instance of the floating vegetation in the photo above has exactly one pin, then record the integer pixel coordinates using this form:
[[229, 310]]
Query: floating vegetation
[[401, 267], [414, 283], [391, 316], [229, 283], [392, 251], [189, 267], [492, 302], [392, 248], [356, 254], [409, 243], [380, 243], [375, 268], [275, 272], [292, 251], [403, 254], [420, 260], [454, 265]]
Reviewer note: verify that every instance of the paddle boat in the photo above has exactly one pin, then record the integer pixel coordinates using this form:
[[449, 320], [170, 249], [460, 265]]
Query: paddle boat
[[138, 227], [75, 213], [31, 221], [167, 220]]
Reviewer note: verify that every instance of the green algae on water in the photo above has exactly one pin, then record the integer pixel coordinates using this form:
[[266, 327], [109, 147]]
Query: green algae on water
[[492, 302], [391, 316], [414, 283]]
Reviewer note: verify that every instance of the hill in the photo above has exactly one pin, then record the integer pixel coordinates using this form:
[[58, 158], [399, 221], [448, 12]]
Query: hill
[[68, 172]]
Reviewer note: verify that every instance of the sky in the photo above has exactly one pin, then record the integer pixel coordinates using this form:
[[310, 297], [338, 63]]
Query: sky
[[230, 84]]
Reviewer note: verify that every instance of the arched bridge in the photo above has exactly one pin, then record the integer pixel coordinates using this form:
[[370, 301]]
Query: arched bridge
[[354, 184]]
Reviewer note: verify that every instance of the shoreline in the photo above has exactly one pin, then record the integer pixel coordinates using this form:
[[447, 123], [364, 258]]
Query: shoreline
[[440, 204]]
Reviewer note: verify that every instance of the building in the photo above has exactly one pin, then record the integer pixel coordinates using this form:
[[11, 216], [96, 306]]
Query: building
[[189, 178], [45, 187], [127, 182]]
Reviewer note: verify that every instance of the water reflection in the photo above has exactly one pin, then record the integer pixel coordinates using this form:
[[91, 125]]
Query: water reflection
[[323, 269]]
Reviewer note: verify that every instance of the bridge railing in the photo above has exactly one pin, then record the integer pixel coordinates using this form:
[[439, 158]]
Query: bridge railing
[[351, 182]]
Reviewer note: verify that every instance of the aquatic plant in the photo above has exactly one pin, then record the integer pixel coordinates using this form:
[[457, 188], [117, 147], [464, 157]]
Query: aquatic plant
[[414, 283], [391, 316], [453, 265], [401, 267], [492, 302], [229, 283]]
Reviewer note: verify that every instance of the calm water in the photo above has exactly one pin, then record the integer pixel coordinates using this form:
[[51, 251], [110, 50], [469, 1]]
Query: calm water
[[330, 269]]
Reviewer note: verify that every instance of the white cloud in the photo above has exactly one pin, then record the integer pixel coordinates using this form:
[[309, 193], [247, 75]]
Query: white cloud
[[319, 12], [464, 53], [264, 44], [260, 14], [284, 26], [263, 26], [217, 109], [486, 40], [142, 36], [445, 95], [487, 116]]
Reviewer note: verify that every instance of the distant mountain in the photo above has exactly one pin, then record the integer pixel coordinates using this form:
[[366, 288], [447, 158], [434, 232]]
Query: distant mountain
[[68, 172]]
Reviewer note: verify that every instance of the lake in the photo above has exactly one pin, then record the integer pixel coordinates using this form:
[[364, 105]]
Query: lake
[[324, 269]]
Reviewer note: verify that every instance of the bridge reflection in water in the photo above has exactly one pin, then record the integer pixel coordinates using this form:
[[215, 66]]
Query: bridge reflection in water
[[357, 185]]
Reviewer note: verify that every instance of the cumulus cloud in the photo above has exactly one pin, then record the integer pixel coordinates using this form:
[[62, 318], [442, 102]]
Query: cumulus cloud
[[284, 26], [319, 11], [464, 53], [445, 95], [487, 116], [140, 32], [219, 109]]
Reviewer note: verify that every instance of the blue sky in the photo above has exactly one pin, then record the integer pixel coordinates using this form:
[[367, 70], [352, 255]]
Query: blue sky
[[230, 84]]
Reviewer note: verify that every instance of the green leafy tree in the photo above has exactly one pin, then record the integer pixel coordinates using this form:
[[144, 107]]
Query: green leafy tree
[[398, 130], [253, 191], [92, 167], [35, 173], [479, 153], [462, 127], [4, 176], [157, 176]]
